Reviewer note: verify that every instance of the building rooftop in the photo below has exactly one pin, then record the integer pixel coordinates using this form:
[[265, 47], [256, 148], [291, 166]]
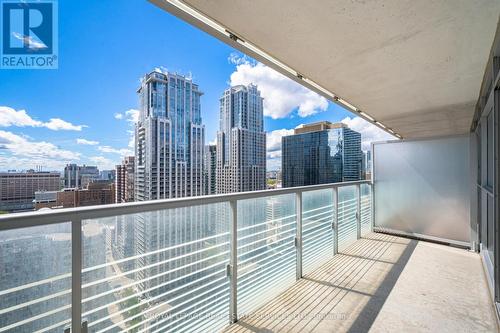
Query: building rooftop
[[318, 126]]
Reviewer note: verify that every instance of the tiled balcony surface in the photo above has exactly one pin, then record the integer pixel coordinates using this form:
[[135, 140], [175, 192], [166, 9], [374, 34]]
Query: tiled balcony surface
[[383, 283]]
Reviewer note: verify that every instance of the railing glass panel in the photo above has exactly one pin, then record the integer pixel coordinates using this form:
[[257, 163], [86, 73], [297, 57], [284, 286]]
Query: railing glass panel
[[366, 208], [35, 279], [266, 251], [317, 232], [157, 271], [347, 227]]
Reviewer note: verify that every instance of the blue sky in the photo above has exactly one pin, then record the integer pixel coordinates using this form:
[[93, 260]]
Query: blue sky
[[103, 51]]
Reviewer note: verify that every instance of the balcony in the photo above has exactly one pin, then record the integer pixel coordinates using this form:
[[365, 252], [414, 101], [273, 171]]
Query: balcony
[[298, 260], [417, 249]]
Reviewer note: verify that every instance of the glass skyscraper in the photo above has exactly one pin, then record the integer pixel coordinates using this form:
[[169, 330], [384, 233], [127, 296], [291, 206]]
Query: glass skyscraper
[[169, 138], [241, 141], [321, 153]]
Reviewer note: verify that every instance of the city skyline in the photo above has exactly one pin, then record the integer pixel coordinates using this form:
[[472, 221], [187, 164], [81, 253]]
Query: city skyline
[[88, 121]]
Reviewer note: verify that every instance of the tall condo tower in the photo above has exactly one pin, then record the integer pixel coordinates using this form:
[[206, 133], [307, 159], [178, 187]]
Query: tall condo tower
[[241, 141], [169, 138]]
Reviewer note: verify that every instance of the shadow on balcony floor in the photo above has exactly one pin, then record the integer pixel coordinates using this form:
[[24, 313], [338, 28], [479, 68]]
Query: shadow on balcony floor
[[383, 283]]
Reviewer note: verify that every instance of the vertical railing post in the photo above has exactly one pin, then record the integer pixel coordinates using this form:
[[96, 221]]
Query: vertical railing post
[[233, 265], [298, 238], [358, 211], [335, 223], [372, 206], [76, 275]]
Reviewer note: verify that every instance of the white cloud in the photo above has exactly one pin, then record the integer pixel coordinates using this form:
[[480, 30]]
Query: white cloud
[[369, 132], [25, 163], [281, 95], [273, 142], [132, 115], [57, 124], [86, 142], [103, 163], [122, 152], [131, 141], [21, 146], [10, 117], [273, 147]]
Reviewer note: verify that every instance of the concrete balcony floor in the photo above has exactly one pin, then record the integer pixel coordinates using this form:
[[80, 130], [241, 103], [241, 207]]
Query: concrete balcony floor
[[383, 283]]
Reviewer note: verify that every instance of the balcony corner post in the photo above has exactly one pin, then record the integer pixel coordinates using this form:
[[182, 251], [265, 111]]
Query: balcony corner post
[[335, 223], [358, 211], [76, 275], [298, 239], [233, 273]]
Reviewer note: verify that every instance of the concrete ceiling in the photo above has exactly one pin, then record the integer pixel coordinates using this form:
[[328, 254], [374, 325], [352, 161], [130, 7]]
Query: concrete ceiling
[[415, 66]]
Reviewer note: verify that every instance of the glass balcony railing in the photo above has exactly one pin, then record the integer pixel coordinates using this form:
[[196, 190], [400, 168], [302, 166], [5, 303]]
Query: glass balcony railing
[[179, 265]]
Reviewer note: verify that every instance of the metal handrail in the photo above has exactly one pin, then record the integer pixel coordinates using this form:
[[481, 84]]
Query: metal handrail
[[45, 217]]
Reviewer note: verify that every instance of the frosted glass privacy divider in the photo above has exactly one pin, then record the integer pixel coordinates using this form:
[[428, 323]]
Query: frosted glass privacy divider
[[347, 223], [317, 232], [174, 277], [35, 278], [422, 188], [366, 208], [266, 249]]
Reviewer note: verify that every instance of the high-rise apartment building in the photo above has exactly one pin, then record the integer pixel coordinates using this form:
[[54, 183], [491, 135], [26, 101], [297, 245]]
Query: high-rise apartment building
[[169, 138], [78, 176], [321, 153], [17, 189], [241, 141], [209, 169], [124, 180], [169, 142]]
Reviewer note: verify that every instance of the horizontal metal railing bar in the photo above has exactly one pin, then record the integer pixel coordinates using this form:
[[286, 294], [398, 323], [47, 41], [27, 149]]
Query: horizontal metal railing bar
[[250, 297], [282, 232], [156, 306], [169, 310], [305, 212], [194, 282], [35, 284], [30, 319], [317, 224], [34, 301], [136, 282], [221, 306], [51, 327], [241, 263], [264, 246], [258, 274], [323, 231], [164, 320], [112, 277], [271, 259], [89, 269], [325, 244], [316, 215], [265, 230], [265, 223], [46, 217], [214, 305]]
